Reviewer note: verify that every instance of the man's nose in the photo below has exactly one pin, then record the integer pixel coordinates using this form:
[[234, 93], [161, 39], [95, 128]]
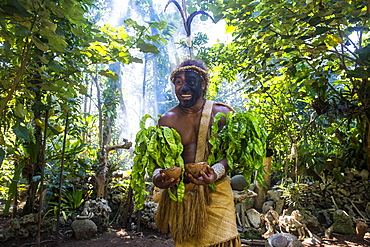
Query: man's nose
[[185, 87]]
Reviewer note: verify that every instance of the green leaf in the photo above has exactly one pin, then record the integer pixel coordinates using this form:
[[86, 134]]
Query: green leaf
[[20, 110], [21, 132], [148, 48], [39, 44], [2, 156], [22, 31], [364, 54], [321, 30], [358, 73], [13, 186], [287, 50], [203, 18], [191, 9], [55, 132], [314, 21], [110, 74], [36, 178]]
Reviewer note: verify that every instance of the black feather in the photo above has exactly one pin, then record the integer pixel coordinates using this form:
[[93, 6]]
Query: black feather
[[191, 17], [180, 10]]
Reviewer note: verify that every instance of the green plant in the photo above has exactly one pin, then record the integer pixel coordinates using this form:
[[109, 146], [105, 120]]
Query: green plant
[[155, 146], [304, 67], [242, 141], [73, 199], [65, 212]]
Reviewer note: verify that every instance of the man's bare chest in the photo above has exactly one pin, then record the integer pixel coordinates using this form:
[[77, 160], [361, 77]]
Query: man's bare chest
[[188, 128]]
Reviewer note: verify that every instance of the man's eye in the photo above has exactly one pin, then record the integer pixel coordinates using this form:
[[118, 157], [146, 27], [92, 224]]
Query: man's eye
[[191, 82], [178, 82]]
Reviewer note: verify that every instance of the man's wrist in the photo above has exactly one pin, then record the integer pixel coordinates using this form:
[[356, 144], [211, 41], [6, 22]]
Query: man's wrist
[[219, 169], [156, 172]]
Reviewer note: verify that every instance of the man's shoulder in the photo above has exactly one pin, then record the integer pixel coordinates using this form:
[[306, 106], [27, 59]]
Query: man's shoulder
[[168, 117], [222, 107], [171, 112]]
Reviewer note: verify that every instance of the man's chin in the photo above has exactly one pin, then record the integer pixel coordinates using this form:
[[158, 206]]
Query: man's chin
[[187, 103]]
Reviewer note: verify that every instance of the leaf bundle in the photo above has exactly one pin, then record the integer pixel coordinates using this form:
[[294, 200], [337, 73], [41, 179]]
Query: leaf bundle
[[242, 141], [155, 145]]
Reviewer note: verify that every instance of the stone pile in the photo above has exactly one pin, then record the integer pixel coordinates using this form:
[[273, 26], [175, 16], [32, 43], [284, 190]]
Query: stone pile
[[147, 216], [351, 194], [24, 227]]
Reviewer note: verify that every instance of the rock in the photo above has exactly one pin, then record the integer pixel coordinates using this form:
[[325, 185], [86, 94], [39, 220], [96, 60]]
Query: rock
[[344, 192], [275, 195], [279, 206], [84, 229], [100, 211], [329, 232], [32, 230], [313, 241], [16, 223], [240, 196], [343, 223], [283, 240], [7, 234], [147, 217], [254, 217], [367, 209], [361, 229], [23, 233], [266, 206], [364, 174], [238, 182], [29, 218]]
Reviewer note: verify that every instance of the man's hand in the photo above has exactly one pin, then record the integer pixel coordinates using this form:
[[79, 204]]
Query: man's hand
[[206, 177], [161, 182]]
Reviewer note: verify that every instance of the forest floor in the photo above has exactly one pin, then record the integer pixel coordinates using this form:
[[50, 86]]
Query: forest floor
[[115, 237]]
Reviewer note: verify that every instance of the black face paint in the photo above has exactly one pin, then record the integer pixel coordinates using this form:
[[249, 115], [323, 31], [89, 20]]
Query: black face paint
[[192, 86]]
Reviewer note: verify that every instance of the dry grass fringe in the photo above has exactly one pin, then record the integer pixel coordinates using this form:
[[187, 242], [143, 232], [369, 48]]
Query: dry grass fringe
[[184, 220], [234, 242]]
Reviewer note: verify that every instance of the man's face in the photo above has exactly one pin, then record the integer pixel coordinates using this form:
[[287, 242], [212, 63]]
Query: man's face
[[188, 87]]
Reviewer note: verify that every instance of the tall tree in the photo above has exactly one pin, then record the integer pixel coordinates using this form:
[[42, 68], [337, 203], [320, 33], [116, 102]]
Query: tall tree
[[45, 45]]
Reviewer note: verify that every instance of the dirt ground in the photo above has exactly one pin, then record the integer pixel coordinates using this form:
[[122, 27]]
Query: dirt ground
[[120, 237]]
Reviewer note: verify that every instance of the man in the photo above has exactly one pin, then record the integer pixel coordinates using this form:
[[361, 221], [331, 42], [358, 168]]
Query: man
[[205, 217]]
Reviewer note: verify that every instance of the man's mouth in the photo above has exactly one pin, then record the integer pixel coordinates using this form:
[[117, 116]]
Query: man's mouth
[[186, 96]]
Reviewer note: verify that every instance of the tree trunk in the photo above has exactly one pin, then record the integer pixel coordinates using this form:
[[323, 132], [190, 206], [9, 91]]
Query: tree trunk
[[261, 190], [155, 88], [32, 169], [143, 105], [41, 189], [99, 179], [367, 144], [61, 179]]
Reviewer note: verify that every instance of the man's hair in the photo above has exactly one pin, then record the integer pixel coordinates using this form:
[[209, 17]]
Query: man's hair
[[194, 65], [195, 62]]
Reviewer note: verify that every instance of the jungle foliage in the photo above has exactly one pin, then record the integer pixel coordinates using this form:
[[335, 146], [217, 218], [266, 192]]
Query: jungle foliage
[[304, 66], [50, 51]]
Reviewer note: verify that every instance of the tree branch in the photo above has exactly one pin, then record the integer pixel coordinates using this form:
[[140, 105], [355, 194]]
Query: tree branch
[[49, 82], [126, 145]]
